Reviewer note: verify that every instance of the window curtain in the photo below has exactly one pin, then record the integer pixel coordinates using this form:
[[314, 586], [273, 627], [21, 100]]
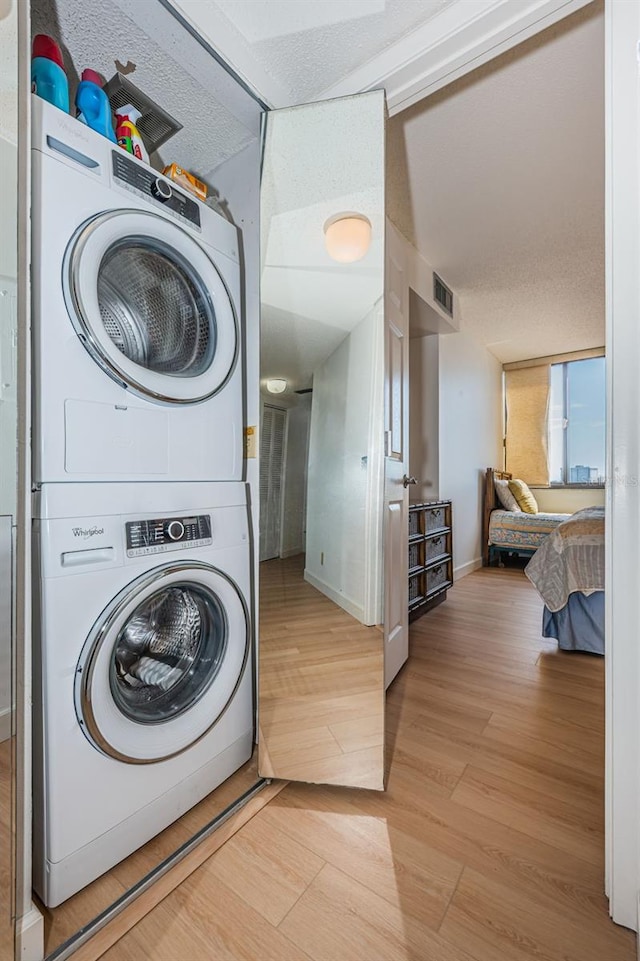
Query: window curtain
[[527, 400]]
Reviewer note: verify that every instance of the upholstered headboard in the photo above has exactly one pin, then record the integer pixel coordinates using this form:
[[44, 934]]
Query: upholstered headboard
[[490, 503]]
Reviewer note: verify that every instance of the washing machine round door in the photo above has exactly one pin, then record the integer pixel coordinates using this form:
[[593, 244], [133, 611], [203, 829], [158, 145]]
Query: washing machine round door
[[162, 662], [150, 307]]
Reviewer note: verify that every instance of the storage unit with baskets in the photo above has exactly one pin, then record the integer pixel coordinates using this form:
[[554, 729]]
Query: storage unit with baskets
[[430, 555]]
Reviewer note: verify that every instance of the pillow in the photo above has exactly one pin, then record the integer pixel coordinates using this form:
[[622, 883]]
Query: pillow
[[526, 500], [504, 495]]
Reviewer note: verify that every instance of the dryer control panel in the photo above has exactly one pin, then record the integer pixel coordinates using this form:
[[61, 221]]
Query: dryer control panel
[[167, 534], [149, 185]]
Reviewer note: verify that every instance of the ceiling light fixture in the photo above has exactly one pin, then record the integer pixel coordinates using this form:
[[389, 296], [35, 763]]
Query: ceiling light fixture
[[347, 237], [276, 385]]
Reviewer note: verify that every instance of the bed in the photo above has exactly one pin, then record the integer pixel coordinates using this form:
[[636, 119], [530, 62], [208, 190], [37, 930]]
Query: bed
[[568, 573], [566, 566], [510, 532]]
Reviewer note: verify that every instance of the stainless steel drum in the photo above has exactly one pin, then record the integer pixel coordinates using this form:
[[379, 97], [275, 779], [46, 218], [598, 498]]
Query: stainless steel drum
[[154, 309]]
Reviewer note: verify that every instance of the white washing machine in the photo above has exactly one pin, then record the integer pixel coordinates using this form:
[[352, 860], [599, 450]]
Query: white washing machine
[[143, 698], [136, 296]]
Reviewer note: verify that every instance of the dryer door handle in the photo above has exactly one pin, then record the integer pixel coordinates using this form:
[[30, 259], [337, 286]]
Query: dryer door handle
[[97, 555]]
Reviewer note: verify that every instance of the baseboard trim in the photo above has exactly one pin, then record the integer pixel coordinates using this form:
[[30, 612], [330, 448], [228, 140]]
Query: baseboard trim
[[340, 599], [292, 552], [30, 936], [467, 568]]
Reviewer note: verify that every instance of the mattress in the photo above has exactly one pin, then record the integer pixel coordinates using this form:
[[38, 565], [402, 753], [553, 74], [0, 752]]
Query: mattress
[[517, 530]]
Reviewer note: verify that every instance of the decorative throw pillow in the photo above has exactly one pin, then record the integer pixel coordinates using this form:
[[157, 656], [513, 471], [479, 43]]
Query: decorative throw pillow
[[526, 500], [504, 495]]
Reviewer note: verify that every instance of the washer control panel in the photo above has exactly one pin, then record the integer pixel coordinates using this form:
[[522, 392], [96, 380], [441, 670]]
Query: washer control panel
[[167, 534], [146, 183]]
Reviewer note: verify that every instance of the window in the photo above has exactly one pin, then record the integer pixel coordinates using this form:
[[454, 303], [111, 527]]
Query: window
[[577, 422]]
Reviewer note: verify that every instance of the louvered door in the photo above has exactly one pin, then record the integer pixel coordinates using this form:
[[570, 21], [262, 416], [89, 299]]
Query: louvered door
[[274, 423]]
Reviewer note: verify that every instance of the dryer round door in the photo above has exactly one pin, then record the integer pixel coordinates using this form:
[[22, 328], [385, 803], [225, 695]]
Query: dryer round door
[[162, 662], [150, 307]]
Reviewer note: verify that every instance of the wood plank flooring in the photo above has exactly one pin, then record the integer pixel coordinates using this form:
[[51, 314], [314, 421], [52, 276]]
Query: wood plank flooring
[[321, 683], [487, 846], [6, 849], [63, 921]]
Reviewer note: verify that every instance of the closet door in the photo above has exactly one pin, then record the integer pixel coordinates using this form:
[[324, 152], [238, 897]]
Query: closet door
[[321, 649], [274, 424]]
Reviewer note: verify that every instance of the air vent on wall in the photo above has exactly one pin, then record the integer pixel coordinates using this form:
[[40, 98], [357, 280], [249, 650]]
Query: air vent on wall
[[442, 295], [155, 124]]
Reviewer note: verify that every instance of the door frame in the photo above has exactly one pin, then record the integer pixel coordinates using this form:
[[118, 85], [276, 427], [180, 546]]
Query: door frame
[[281, 506], [622, 612]]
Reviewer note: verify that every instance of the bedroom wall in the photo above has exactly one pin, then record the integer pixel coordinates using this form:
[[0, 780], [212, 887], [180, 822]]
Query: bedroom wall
[[424, 390], [470, 437], [554, 501]]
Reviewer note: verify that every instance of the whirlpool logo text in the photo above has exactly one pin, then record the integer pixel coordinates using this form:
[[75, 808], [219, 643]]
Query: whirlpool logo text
[[86, 532]]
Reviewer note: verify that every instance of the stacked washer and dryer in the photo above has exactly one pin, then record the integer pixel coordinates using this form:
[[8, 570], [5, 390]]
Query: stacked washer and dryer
[[143, 682]]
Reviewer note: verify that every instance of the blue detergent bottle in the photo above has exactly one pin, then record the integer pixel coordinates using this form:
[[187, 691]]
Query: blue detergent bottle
[[92, 104], [48, 79]]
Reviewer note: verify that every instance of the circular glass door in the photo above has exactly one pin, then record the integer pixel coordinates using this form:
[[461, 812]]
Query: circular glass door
[[162, 663], [150, 307]]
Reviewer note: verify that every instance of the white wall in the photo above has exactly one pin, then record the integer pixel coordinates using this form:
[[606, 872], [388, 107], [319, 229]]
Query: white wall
[[343, 404], [8, 326], [8, 414], [292, 539], [470, 437], [424, 405], [557, 501], [8, 212], [6, 621], [238, 183]]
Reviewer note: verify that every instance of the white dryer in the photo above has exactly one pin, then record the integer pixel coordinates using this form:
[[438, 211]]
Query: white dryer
[[143, 697], [136, 296]]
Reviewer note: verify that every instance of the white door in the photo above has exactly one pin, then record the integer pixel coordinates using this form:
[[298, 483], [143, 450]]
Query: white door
[[272, 443], [396, 497]]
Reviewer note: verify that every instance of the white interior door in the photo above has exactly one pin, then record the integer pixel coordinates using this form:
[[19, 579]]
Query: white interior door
[[272, 444], [396, 497]]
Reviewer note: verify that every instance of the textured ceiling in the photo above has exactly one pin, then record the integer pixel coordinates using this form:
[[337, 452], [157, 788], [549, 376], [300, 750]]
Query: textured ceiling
[[305, 47], [170, 66], [319, 160], [498, 180]]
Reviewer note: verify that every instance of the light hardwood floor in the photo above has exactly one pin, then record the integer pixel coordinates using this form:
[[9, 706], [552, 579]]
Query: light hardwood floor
[[321, 681], [487, 846], [63, 921], [6, 849]]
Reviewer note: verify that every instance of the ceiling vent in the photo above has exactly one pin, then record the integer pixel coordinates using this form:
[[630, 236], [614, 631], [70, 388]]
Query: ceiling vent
[[442, 295]]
